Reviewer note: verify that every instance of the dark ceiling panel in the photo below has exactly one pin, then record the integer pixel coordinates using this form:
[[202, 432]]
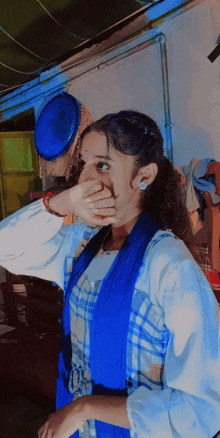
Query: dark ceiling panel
[[34, 34], [91, 17], [16, 15], [15, 56], [12, 78], [36, 30]]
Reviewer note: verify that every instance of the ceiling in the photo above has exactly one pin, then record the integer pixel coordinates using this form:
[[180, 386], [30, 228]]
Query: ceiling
[[36, 34]]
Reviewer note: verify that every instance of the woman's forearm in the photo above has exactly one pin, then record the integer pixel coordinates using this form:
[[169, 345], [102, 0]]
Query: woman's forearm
[[72, 417], [109, 409]]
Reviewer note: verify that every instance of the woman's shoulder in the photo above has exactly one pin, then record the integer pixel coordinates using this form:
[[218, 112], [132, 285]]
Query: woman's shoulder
[[164, 253], [165, 248]]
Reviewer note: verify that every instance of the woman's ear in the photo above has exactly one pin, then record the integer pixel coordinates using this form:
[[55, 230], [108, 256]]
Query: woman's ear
[[145, 176]]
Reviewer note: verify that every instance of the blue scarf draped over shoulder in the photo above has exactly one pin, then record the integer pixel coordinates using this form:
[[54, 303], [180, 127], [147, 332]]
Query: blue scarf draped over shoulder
[[110, 320]]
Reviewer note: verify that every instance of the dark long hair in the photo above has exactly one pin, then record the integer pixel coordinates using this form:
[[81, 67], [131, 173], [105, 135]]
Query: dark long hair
[[136, 134]]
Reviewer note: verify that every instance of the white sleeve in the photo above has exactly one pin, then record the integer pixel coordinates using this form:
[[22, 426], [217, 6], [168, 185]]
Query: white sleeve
[[189, 404], [35, 242]]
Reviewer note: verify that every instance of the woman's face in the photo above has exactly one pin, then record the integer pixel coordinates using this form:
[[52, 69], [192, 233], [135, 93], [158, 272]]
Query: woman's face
[[114, 170]]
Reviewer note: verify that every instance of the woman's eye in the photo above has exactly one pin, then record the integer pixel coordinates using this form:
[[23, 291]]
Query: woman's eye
[[102, 166]]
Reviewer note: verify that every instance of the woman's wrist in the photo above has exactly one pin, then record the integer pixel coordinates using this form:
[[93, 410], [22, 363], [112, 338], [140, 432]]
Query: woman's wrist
[[66, 202], [46, 201], [109, 409], [56, 205], [80, 408]]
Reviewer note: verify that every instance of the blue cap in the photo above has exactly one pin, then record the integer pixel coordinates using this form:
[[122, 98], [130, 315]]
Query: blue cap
[[57, 126]]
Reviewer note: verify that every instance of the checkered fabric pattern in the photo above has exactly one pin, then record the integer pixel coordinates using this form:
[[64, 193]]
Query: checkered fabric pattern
[[147, 337], [185, 176], [211, 275]]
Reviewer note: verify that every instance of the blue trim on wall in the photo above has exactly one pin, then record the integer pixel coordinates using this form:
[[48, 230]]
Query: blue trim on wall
[[162, 8], [34, 93]]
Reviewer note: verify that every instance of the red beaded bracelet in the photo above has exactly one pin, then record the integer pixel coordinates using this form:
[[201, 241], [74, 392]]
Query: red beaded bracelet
[[46, 204]]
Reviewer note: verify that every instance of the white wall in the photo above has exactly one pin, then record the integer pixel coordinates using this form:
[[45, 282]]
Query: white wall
[[194, 84], [136, 82]]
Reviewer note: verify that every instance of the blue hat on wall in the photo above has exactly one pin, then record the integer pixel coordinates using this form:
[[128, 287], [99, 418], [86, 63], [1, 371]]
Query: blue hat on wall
[[57, 126]]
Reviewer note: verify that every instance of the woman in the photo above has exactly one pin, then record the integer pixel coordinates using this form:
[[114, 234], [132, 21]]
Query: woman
[[140, 348]]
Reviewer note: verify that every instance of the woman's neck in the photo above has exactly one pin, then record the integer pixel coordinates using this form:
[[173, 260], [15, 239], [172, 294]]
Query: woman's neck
[[118, 234]]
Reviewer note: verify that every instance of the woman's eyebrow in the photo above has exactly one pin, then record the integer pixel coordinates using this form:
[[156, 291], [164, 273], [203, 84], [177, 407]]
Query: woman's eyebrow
[[104, 157]]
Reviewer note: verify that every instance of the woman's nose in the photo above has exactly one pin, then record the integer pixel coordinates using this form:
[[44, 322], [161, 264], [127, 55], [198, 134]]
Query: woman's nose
[[90, 174]]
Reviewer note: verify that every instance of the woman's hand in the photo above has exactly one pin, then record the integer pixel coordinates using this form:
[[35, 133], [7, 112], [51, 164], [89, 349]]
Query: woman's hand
[[64, 422], [91, 201], [110, 409]]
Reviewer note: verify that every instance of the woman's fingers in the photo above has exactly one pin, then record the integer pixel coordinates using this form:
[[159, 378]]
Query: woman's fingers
[[102, 203], [64, 422], [102, 220], [97, 194], [91, 187], [43, 431], [103, 211], [98, 204], [88, 201]]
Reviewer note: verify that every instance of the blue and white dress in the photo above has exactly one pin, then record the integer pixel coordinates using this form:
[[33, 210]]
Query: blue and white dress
[[173, 366]]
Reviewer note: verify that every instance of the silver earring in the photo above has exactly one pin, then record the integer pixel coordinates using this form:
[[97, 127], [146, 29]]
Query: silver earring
[[143, 185]]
